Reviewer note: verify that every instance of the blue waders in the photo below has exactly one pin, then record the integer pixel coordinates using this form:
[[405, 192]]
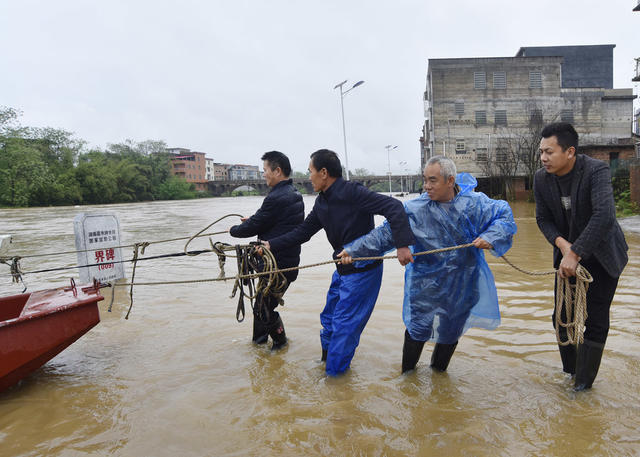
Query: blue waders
[[350, 301]]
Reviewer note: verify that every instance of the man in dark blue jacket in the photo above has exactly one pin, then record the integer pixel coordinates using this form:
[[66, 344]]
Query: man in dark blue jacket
[[576, 213], [281, 211], [345, 211]]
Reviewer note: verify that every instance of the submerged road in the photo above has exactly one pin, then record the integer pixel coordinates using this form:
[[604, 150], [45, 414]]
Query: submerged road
[[181, 377]]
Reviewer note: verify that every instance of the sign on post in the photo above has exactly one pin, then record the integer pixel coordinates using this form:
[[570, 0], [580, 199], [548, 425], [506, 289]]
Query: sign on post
[[97, 236]]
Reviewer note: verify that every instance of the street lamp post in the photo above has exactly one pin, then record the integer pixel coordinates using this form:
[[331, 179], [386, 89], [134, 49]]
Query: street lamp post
[[402, 164], [407, 180], [344, 130], [389, 148]]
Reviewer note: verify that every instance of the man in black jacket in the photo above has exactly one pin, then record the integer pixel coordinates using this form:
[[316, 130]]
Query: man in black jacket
[[576, 213], [345, 210], [281, 211]]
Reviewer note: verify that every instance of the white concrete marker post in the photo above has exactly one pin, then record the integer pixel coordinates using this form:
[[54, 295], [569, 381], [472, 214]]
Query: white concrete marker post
[[97, 236], [5, 240]]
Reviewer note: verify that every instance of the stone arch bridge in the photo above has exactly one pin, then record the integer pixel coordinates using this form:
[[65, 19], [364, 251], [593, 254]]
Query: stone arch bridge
[[218, 188]]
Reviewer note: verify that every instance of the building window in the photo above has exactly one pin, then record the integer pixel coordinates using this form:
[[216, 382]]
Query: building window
[[535, 117], [481, 117], [479, 80], [501, 155], [460, 149], [500, 80], [459, 108], [501, 117], [566, 115], [481, 155], [535, 79]]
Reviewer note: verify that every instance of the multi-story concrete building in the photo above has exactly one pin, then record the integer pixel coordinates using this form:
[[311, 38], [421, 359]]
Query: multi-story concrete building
[[477, 110], [221, 171], [210, 175], [243, 172], [189, 165]]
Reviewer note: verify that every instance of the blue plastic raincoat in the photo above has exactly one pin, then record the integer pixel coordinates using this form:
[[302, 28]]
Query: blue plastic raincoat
[[446, 293]]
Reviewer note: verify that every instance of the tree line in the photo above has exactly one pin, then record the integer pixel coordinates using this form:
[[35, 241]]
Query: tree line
[[47, 166]]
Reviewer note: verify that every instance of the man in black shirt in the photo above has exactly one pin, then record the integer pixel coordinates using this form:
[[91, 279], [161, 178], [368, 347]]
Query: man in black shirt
[[345, 211], [281, 211], [575, 211]]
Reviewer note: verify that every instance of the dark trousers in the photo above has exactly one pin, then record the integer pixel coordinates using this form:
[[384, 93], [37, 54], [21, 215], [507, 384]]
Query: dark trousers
[[264, 308], [599, 297]]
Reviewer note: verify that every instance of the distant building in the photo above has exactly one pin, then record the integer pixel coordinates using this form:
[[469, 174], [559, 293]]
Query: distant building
[[221, 171], [475, 107], [244, 172], [189, 165], [210, 175]]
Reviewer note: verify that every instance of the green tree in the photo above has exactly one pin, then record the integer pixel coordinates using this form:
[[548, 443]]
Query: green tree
[[47, 166], [151, 166], [96, 178], [24, 178], [176, 188], [36, 164]]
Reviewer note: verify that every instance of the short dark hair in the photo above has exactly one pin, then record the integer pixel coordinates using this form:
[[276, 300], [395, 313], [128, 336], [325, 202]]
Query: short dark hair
[[325, 158], [564, 132], [277, 159]]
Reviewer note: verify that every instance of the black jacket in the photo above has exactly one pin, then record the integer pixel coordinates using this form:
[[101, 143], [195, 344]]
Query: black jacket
[[282, 210], [345, 211], [593, 229]]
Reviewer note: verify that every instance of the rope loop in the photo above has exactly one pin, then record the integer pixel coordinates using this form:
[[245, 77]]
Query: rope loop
[[136, 247], [571, 301], [144, 245], [218, 249], [14, 270], [204, 229]]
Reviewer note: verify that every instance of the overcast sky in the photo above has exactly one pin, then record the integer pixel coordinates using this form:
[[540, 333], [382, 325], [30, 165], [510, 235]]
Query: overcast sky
[[237, 78]]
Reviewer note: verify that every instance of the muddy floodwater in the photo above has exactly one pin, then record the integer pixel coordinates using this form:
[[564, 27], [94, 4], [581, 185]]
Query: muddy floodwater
[[180, 377]]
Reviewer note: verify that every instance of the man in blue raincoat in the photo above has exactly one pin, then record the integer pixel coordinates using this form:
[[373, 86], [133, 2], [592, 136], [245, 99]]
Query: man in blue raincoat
[[448, 292]]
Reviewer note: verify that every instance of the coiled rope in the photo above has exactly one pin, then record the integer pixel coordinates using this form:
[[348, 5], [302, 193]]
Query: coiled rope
[[572, 298]]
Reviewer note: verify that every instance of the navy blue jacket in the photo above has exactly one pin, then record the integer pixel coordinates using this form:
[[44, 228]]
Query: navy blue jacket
[[282, 210], [345, 211]]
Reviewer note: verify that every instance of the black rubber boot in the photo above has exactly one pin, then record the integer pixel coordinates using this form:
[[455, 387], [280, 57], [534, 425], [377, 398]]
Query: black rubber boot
[[568, 356], [260, 331], [411, 351], [277, 335], [442, 355], [324, 355], [587, 364]]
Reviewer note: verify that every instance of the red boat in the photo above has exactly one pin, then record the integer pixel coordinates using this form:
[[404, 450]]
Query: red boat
[[37, 326]]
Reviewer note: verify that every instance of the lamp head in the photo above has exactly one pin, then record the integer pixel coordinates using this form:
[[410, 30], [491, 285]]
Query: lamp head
[[340, 84]]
